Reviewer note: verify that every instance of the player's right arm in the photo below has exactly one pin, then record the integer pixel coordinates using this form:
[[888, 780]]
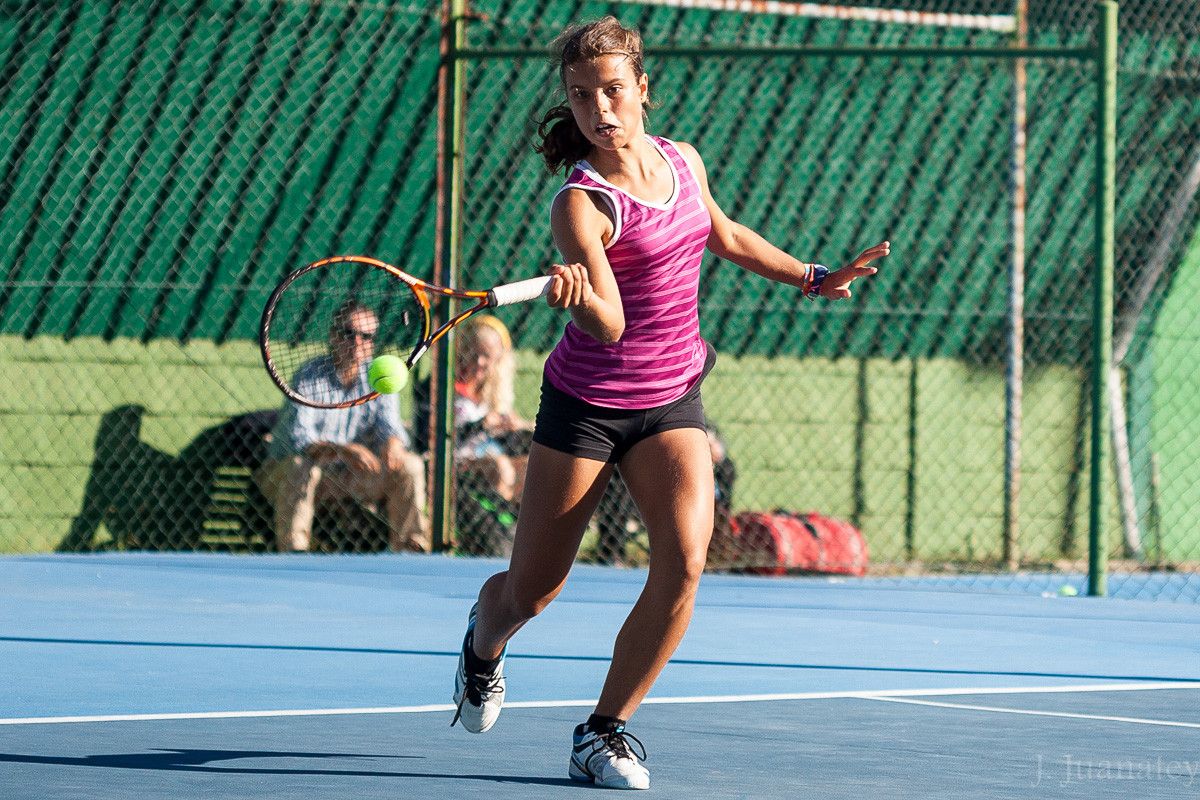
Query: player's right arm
[[585, 282]]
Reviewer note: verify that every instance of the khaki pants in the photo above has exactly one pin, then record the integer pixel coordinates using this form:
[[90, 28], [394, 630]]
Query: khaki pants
[[297, 485]]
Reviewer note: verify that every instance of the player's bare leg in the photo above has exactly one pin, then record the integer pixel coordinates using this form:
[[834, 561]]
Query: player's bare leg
[[564, 491], [671, 479], [549, 529]]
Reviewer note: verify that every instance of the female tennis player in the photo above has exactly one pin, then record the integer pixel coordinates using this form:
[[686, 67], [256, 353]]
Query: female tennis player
[[621, 387]]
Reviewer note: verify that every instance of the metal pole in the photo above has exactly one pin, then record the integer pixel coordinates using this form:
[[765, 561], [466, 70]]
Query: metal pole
[[809, 51], [910, 477], [452, 104], [1014, 379], [1102, 312]]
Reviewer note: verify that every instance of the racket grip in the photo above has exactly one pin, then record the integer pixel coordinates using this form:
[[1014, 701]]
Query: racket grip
[[519, 292]]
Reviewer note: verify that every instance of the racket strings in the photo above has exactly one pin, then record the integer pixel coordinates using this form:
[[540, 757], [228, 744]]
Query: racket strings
[[335, 319]]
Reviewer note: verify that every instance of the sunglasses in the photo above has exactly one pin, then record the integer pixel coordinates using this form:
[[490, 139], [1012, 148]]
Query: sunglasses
[[354, 333]]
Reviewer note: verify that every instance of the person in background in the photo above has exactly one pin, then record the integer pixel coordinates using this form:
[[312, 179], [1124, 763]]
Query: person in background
[[361, 453], [492, 440]]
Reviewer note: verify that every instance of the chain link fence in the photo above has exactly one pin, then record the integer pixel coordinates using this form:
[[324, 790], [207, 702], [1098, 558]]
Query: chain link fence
[[162, 165]]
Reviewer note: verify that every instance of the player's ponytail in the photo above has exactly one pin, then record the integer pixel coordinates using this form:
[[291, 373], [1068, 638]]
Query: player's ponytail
[[562, 143]]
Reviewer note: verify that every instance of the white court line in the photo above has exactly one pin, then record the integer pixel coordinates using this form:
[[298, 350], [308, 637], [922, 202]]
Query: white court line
[[879, 694], [1028, 712]]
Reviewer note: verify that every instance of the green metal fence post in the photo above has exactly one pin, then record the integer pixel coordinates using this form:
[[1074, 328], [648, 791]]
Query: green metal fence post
[[451, 107], [1102, 311]]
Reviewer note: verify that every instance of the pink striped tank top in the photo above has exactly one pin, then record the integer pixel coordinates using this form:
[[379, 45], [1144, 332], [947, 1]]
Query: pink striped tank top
[[655, 253]]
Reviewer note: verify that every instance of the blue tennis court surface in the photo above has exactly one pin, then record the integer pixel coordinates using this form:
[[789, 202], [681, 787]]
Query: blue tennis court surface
[[165, 676]]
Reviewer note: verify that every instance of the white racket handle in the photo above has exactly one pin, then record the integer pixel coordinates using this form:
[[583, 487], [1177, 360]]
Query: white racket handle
[[519, 292]]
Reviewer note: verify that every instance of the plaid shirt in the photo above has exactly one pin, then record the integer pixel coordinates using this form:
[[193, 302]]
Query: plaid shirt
[[370, 424]]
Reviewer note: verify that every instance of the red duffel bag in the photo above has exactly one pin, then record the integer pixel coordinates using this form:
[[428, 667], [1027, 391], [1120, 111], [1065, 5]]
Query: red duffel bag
[[784, 541]]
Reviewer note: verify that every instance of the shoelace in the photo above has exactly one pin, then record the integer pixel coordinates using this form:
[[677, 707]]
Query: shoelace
[[478, 688], [619, 741], [481, 687]]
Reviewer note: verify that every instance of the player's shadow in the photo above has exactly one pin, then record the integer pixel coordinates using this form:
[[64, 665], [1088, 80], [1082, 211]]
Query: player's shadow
[[172, 760], [128, 481], [147, 499]]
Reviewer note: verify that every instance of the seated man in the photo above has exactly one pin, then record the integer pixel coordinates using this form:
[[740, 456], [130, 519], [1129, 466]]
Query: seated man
[[360, 452]]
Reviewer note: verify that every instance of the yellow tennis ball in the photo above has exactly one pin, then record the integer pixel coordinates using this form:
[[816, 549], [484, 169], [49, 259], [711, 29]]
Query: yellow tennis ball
[[387, 374]]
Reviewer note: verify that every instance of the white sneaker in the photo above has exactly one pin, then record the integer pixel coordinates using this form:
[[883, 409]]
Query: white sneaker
[[479, 697], [607, 759]]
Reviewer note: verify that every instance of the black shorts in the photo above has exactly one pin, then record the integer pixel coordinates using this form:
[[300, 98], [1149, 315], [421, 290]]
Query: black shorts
[[570, 425]]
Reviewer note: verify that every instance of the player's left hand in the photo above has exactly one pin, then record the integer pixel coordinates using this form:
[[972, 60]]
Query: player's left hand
[[837, 284]]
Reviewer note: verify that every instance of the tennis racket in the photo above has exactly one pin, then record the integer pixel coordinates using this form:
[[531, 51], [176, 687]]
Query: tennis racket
[[336, 315]]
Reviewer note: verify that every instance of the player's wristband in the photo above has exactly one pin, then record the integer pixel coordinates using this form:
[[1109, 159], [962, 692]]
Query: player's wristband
[[819, 273]]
